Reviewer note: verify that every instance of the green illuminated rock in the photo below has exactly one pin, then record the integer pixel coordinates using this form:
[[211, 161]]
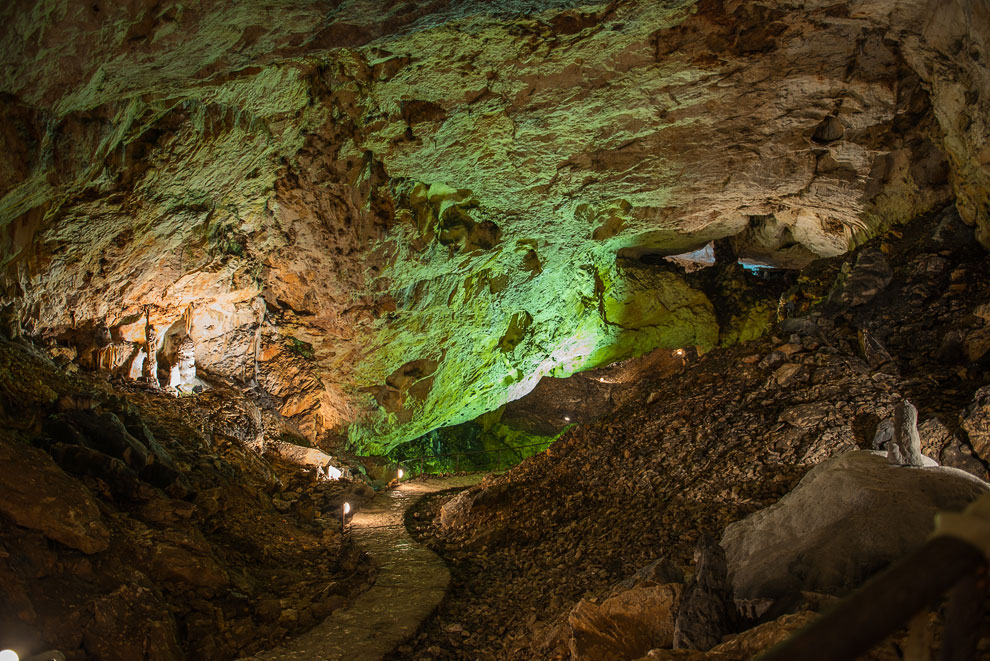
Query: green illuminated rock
[[396, 218]]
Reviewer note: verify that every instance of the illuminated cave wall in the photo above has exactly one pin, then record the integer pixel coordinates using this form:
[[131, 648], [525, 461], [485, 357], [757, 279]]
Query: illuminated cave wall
[[388, 221]]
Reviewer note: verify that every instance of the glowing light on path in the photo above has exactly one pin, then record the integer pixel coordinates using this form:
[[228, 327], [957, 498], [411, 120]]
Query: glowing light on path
[[9, 655]]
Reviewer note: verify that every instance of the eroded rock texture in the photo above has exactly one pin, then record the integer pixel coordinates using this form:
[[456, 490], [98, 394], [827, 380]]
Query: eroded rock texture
[[727, 435], [403, 215]]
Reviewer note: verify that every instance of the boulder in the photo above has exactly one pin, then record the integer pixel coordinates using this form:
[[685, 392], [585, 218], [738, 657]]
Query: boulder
[[105, 433], [744, 646], [848, 517], [131, 622], [763, 637], [455, 511], [870, 275], [36, 494], [123, 482], [175, 556], [625, 626], [659, 572]]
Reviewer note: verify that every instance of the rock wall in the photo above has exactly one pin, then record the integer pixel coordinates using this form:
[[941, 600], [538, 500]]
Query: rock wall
[[394, 219]]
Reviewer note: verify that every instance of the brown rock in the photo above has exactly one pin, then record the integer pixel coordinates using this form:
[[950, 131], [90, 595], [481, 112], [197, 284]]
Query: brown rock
[[625, 626], [787, 373], [707, 611], [805, 415], [976, 423], [764, 636], [176, 557], [131, 622], [36, 494]]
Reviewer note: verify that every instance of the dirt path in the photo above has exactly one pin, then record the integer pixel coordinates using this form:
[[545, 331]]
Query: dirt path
[[410, 584]]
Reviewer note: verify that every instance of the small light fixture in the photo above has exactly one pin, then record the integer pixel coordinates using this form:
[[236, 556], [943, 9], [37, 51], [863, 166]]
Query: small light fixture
[[9, 655], [566, 419], [347, 510], [678, 352], [344, 509], [401, 473]]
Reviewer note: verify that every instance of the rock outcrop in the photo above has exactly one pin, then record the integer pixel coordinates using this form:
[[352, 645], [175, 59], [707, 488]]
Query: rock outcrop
[[624, 626], [848, 518], [727, 434], [138, 525], [707, 612], [324, 200], [35, 494]]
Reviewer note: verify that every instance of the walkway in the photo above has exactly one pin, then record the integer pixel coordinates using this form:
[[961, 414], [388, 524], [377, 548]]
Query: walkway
[[410, 584]]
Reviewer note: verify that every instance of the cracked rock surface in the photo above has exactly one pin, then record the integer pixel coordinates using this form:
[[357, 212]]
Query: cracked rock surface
[[327, 197]]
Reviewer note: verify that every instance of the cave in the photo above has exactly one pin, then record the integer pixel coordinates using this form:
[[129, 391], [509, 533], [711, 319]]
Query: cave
[[519, 329]]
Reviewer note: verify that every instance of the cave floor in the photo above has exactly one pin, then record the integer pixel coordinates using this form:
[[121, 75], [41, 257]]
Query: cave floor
[[411, 582]]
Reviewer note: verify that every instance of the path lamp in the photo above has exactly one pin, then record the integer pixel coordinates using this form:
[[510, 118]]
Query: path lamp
[[401, 473], [344, 510], [50, 655]]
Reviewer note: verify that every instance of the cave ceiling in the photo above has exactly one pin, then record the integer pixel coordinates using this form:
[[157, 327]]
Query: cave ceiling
[[386, 217]]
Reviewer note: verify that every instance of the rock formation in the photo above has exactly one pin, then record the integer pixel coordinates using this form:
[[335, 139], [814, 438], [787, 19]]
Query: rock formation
[[849, 517], [703, 447], [238, 233], [136, 525], [393, 220], [707, 612], [904, 448]]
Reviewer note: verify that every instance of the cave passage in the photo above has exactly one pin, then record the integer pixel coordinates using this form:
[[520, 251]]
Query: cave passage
[[517, 329]]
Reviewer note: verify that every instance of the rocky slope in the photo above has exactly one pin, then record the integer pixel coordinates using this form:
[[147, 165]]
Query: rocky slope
[[136, 525], [732, 433], [389, 217]]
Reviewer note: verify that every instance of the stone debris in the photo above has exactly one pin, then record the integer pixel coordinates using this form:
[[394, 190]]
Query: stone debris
[[624, 626], [178, 539], [704, 447]]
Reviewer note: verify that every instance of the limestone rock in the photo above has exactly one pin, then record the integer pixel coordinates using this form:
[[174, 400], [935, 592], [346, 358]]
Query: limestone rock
[[870, 275], [764, 636], [178, 557], [846, 519], [36, 494], [707, 611], [625, 626], [131, 622], [311, 197], [805, 415], [659, 572], [456, 510], [904, 449], [976, 423]]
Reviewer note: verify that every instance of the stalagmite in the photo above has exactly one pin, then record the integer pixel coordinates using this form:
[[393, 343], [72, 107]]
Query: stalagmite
[[149, 370]]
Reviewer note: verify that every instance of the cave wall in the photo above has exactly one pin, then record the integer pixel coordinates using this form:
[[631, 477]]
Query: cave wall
[[390, 218]]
